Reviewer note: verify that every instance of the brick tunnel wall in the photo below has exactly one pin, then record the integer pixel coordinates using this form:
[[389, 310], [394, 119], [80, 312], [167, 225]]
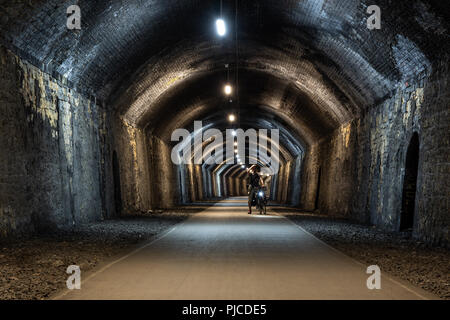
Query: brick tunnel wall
[[363, 162], [51, 171]]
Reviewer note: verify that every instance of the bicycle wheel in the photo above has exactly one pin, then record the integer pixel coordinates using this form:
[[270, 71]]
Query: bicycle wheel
[[260, 206]]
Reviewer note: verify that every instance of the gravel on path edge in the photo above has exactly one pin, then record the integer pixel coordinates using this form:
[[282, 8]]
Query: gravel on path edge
[[34, 268]]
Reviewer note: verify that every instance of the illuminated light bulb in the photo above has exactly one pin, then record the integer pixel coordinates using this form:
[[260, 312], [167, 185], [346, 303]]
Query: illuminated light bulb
[[221, 27], [235, 151], [233, 133], [235, 144], [228, 89], [242, 166], [231, 117]]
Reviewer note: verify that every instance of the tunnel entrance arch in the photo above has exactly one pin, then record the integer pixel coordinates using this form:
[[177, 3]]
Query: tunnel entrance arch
[[410, 184], [117, 188]]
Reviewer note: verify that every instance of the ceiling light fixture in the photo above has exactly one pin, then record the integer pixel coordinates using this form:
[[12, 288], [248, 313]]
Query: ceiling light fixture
[[228, 89], [221, 27]]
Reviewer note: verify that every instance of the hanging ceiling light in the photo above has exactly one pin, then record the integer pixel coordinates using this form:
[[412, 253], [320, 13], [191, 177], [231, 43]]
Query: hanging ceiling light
[[221, 27], [228, 89], [231, 117]]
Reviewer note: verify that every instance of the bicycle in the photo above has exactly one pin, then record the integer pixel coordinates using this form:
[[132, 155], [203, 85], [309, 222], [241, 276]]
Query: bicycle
[[261, 200]]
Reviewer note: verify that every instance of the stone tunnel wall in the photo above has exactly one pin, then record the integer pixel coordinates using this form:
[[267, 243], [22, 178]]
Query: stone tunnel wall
[[148, 178], [295, 184], [363, 162], [336, 178], [309, 178], [131, 147], [164, 179], [51, 172], [193, 183]]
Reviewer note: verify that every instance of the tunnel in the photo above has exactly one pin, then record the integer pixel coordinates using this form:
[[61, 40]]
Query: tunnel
[[146, 107]]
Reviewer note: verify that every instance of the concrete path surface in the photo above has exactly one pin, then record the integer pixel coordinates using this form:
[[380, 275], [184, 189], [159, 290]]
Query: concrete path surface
[[224, 253]]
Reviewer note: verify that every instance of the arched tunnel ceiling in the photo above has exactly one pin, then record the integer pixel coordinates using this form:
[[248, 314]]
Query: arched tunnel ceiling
[[314, 61], [261, 96], [214, 154], [263, 62]]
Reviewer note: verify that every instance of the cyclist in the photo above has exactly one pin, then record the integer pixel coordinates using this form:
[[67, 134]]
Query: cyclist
[[254, 183]]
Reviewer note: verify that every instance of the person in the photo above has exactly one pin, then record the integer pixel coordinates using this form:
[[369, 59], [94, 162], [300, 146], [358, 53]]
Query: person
[[254, 183]]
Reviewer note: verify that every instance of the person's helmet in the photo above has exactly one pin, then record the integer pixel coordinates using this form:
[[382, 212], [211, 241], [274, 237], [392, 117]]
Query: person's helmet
[[256, 168]]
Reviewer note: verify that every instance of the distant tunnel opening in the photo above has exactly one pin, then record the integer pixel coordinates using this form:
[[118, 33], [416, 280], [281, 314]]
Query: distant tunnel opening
[[410, 184]]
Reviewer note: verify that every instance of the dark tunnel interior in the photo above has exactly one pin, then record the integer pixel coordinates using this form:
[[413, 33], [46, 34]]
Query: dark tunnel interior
[[88, 116]]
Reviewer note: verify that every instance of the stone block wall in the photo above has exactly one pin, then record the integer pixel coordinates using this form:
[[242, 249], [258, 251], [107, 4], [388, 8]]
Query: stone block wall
[[165, 182], [363, 162], [51, 172], [131, 147], [309, 178]]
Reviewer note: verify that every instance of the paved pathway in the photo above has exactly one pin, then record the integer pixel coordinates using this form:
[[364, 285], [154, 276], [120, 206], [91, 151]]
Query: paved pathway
[[224, 253]]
